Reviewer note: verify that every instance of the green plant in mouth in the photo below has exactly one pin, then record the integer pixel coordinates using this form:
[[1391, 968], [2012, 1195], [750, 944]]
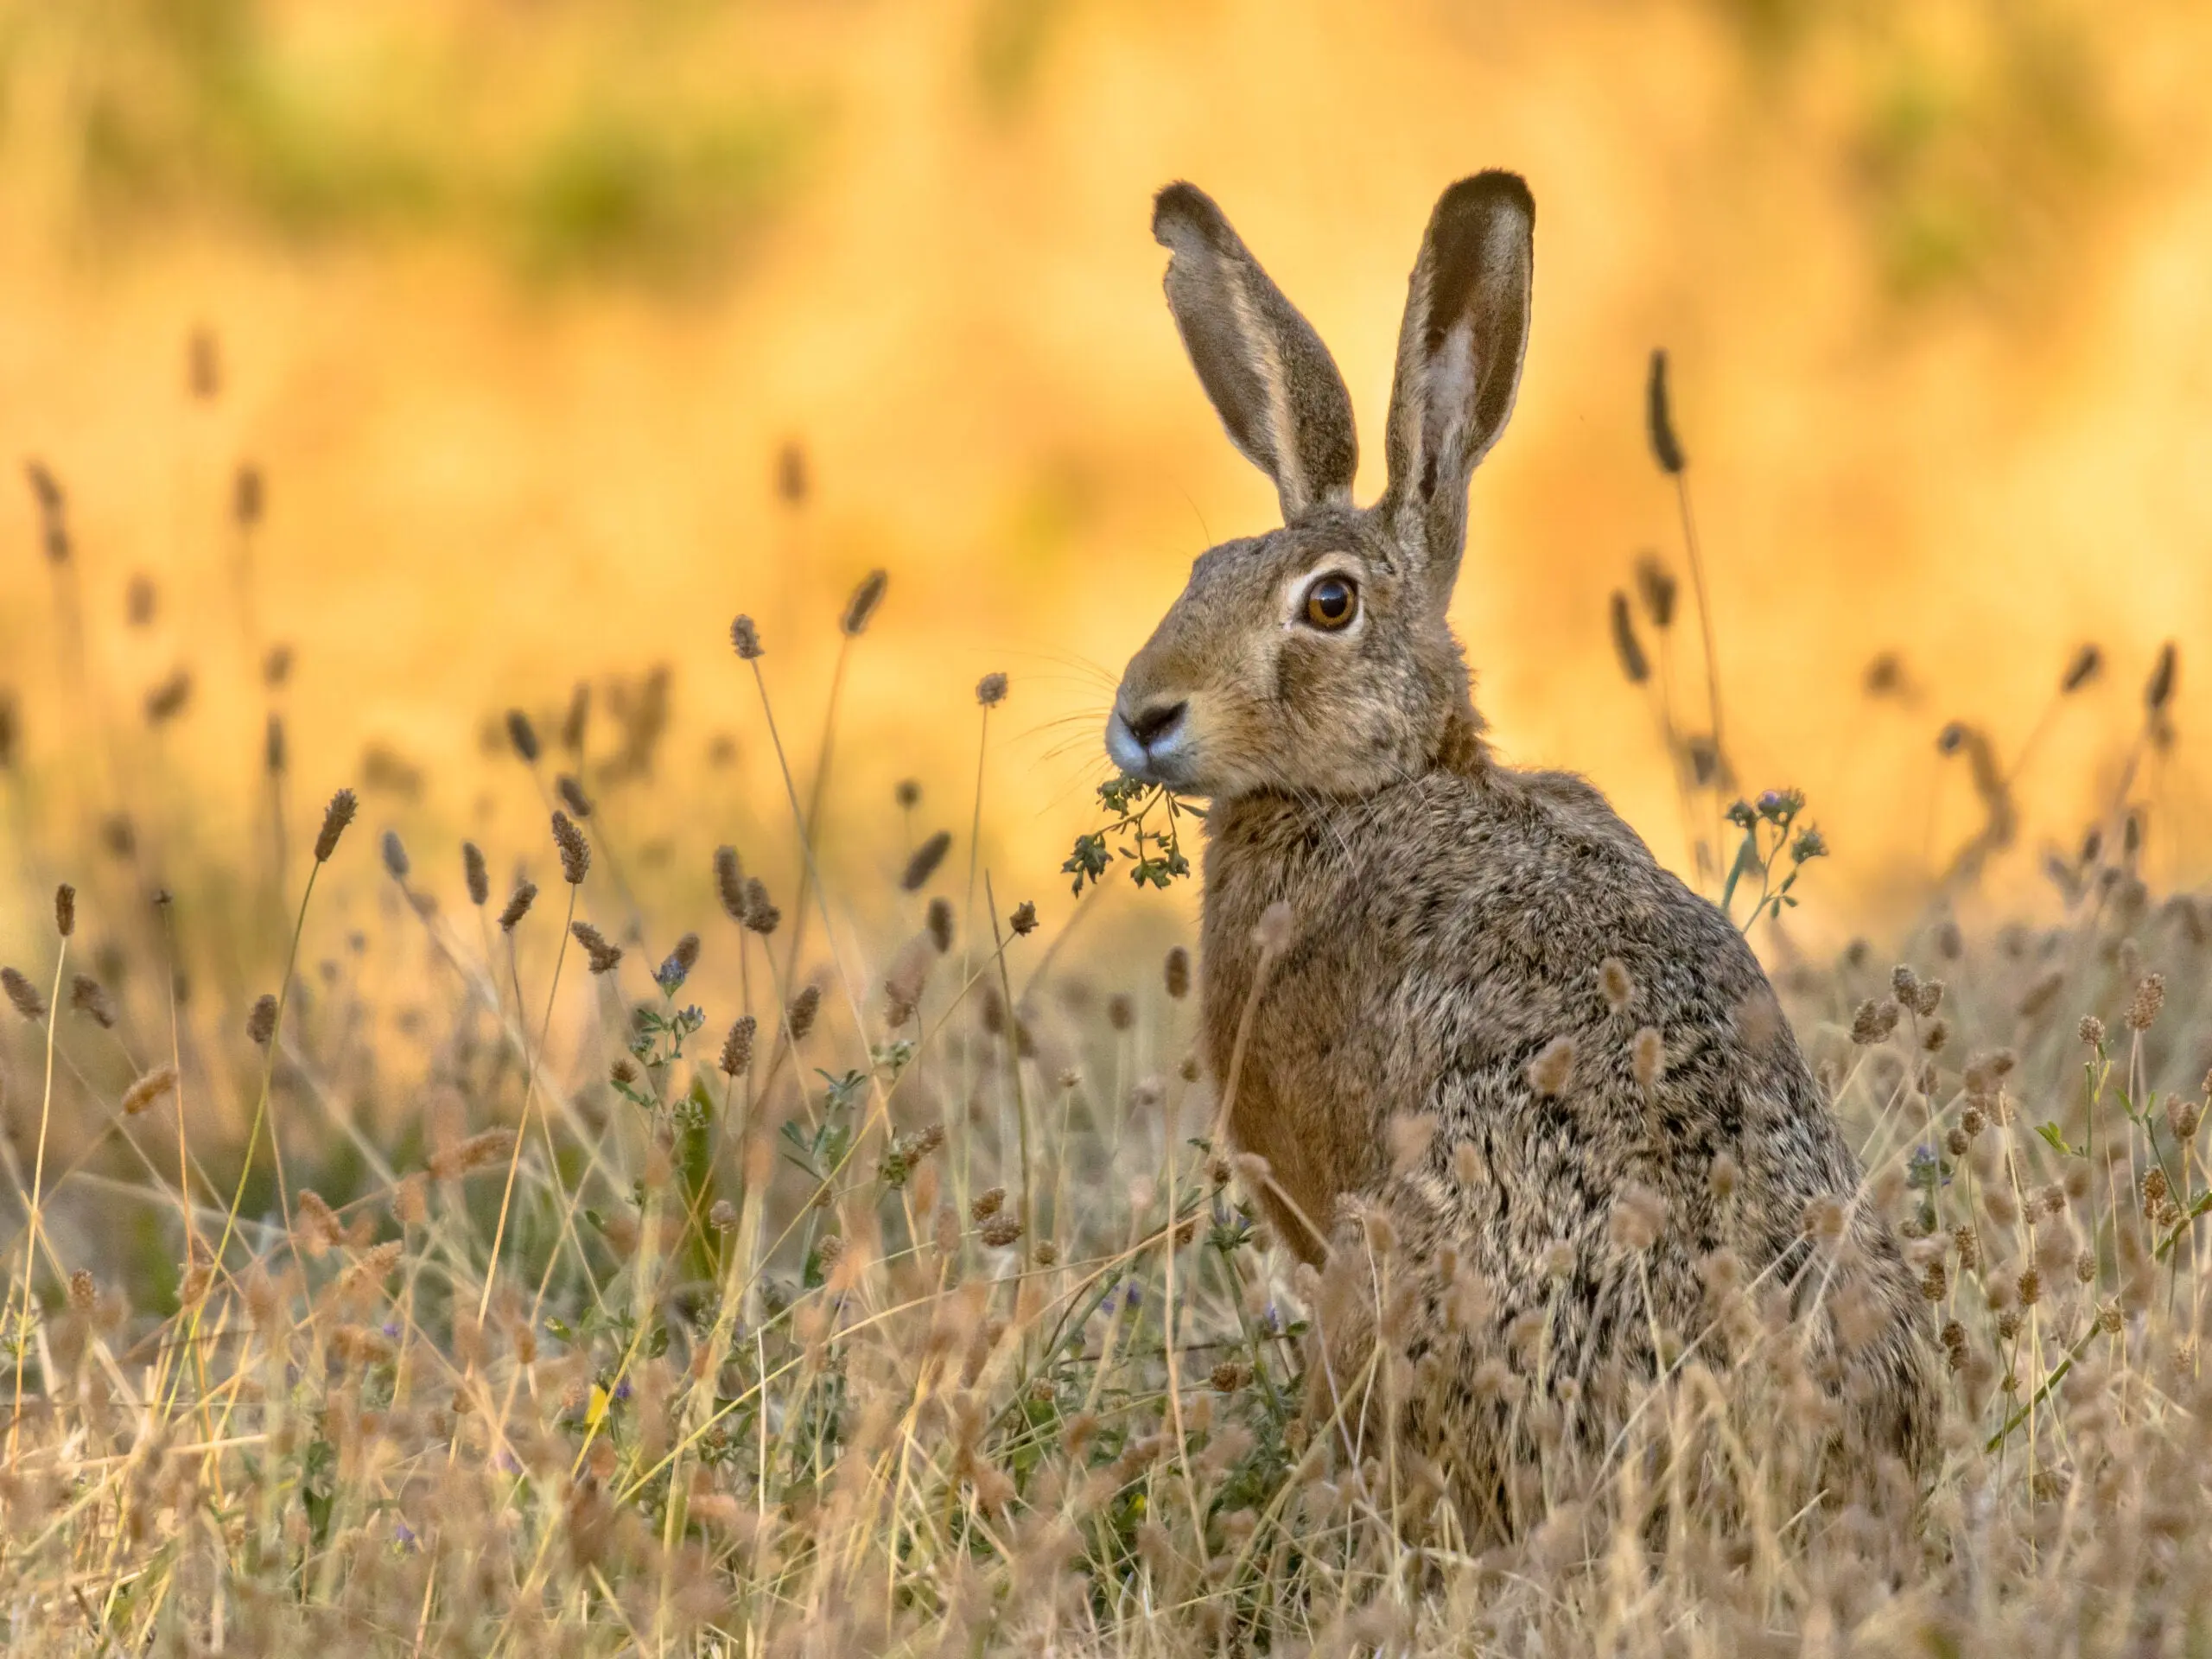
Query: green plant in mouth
[[1132, 802]]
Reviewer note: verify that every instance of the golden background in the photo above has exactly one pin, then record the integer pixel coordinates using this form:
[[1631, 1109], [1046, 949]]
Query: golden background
[[514, 306]]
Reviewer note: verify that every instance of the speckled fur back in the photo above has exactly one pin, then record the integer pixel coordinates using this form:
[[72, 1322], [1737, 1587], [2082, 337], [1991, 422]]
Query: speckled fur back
[[1524, 1102]]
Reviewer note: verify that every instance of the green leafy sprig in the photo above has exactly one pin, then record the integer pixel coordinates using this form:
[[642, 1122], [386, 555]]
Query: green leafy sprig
[[1152, 845], [1775, 850]]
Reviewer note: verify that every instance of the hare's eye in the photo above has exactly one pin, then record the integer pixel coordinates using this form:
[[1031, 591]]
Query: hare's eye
[[1332, 602]]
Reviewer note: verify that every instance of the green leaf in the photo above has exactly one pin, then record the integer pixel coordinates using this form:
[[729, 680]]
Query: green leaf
[[2055, 1141]]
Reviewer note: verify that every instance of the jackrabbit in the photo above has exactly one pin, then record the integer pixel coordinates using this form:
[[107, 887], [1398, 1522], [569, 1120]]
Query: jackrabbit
[[1526, 1094]]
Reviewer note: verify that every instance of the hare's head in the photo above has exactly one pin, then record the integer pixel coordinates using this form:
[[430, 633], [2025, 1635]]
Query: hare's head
[[1316, 659]]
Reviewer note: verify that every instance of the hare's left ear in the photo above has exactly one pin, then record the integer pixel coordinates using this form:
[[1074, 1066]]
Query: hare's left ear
[[1459, 364], [1272, 382]]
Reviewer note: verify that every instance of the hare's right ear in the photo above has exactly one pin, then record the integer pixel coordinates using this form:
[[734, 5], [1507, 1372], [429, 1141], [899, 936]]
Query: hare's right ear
[[1272, 381], [1459, 364]]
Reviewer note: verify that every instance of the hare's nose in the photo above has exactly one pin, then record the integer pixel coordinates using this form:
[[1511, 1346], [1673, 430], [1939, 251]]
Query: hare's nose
[[1148, 725]]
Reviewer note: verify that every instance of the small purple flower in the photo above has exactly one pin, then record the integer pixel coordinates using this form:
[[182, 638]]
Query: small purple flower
[[403, 1534], [391, 1330], [1132, 1294], [622, 1389], [1271, 1321], [506, 1463]]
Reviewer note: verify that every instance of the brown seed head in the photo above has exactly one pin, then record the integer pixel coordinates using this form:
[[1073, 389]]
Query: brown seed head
[[572, 795], [477, 1152], [1024, 920], [1120, 1011], [760, 916], [746, 638], [1648, 1056], [1000, 1232], [602, 956], [261, 1023], [987, 1204], [524, 736], [335, 818], [22, 993], [990, 691], [1177, 972], [1636, 667], [2080, 670], [804, 1007], [478, 875], [1550, 1072], [1659, 418], [2159, 690], [89, 997], [1615, 984], [940, 924], [395, 856], [686, 954], [2182, 1117], [2091, 1031], [2149, 997], [1654, 586], [65, 910], [519, 904], [576, 851], [1823, 1217], [729, 883], [84, 1293], [908, 793], [927, 856], [149, 1089], [861, 606], [737, 1047], [1639, 1216], [273, 752]]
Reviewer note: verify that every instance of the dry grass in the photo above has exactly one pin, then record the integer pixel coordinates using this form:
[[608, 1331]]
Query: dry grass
[[918, 1316]]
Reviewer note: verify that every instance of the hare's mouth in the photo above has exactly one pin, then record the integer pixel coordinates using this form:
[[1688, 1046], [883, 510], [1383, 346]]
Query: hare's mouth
[[1154, 742]]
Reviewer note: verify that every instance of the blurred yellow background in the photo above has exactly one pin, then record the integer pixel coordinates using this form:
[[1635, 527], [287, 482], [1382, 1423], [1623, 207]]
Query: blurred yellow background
[[515, 305]]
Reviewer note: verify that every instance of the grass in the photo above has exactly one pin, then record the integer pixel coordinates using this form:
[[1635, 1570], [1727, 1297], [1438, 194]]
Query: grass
[[920, 1315]]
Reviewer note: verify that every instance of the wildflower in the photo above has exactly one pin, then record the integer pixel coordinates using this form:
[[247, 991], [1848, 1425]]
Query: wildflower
[[523, 735], [519, 904], [148, 1089], [65, 910], [335, 818], [1549, 1073], [861, 606], [603, 956], [395, 856], [990, 691], [576, 851], [2149, 997], [261, 1024], [1636, 667], [923, 864], [746, 638], [737, 1047], [1659, 419]]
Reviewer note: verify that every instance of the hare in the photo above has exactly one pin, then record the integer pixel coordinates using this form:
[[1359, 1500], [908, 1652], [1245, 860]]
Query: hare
[[1524, 1094]]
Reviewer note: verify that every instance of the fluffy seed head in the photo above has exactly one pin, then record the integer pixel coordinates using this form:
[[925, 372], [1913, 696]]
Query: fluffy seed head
[[1639, 1214], [601, 955], [729, 883], [1875, 1021], [22, 993], [1000, 1232], [746, 638], [149, 1089], [261, 1023], [65, 910], [2149, 997], [576, 851], [1549, 1072], [990, 691], [987, 1204], [804, 1007], [2091, 1031], [737, 1047], [760, 915], [478, 874], [519, 904], [1616, 984], [335, 818], [927, 856]]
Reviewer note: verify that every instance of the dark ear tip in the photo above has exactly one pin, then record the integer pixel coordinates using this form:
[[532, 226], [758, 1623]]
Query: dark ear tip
[[1485, 194], [1182, 204]]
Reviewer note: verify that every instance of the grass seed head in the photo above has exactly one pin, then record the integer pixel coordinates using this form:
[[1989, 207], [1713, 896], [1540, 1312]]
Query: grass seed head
[[576, 851], [519, 904], [572, 795], [261, 1023], [395, 856], [940, 924], [1636, 667], [89, 997], [1655, 588], [476, 873], [149, 1089], [1551, 1070], [602, 956], [925, 861], [737, 1047], [2149, 997], [1175, 973], [1023, 921], [861, 606], [803, 1008], [65, 910], [1659, 418], [335, 818], [761, 916], [729, 883], [22, 993], [273, 749], [990, 691], [746, 638], [523, 736]]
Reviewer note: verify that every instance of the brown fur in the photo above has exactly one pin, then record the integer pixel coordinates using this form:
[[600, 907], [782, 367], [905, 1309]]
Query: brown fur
[[1449, 917]]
